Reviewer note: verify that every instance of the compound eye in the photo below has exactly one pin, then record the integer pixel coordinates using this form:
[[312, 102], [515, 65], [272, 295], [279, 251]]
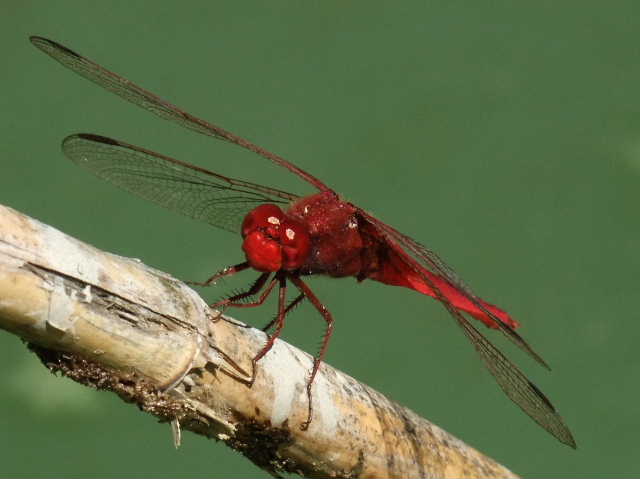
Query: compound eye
[[263, 253], [296, 244], [267, 217]]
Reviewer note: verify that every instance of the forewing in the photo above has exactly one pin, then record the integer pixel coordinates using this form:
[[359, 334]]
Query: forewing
[[508, 376], [139, 96], [181, 187]]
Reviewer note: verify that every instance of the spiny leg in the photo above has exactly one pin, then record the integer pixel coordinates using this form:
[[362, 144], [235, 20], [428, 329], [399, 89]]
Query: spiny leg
[[292, 305], [254, 289], [282, 311], [228, 271], [326, 315], [232, 301]]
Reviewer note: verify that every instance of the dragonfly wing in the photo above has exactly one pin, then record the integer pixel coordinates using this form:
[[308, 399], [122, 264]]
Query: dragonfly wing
[[181, 187], [508, 376], [149, 101], [515, 384]]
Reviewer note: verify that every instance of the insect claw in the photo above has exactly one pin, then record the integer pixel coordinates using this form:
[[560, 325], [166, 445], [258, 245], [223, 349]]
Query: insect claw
[[215, 317], [254, 373], [305, 425]]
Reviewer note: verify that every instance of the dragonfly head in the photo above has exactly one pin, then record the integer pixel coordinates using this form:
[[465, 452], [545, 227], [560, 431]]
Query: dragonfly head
[[273, 240]]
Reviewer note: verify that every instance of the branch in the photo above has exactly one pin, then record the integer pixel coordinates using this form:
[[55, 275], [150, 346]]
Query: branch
[[113, 323]]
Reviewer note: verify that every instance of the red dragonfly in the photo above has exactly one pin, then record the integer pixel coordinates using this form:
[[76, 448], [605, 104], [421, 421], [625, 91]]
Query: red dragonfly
[[318, 234]]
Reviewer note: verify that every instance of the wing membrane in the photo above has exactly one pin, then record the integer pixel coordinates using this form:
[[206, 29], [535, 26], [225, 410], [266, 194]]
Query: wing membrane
[[149, 101], [515, 384], [187, 189]]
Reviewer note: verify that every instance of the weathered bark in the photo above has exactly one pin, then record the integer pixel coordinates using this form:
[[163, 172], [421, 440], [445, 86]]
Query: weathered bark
[[116, 324]]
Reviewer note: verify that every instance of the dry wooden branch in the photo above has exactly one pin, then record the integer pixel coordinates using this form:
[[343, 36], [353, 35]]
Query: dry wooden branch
[[116, 324]]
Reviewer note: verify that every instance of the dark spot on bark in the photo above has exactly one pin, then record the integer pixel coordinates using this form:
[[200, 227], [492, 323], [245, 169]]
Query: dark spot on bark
[[261, 443]]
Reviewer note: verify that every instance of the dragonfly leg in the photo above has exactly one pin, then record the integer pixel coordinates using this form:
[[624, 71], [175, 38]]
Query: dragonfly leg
[[235, 300], [228, 271], [282, 312], [326, 315], [292, 305]]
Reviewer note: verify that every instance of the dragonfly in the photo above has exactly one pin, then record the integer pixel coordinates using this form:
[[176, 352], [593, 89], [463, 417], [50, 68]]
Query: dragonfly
[[287, 238]]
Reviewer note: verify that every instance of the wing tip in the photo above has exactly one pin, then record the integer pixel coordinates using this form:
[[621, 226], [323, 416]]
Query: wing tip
[[36, 39], [47, 45], [90, 137], [565, 437]]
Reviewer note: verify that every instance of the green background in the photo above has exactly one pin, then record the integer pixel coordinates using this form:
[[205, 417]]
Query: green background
[[504, 135]]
